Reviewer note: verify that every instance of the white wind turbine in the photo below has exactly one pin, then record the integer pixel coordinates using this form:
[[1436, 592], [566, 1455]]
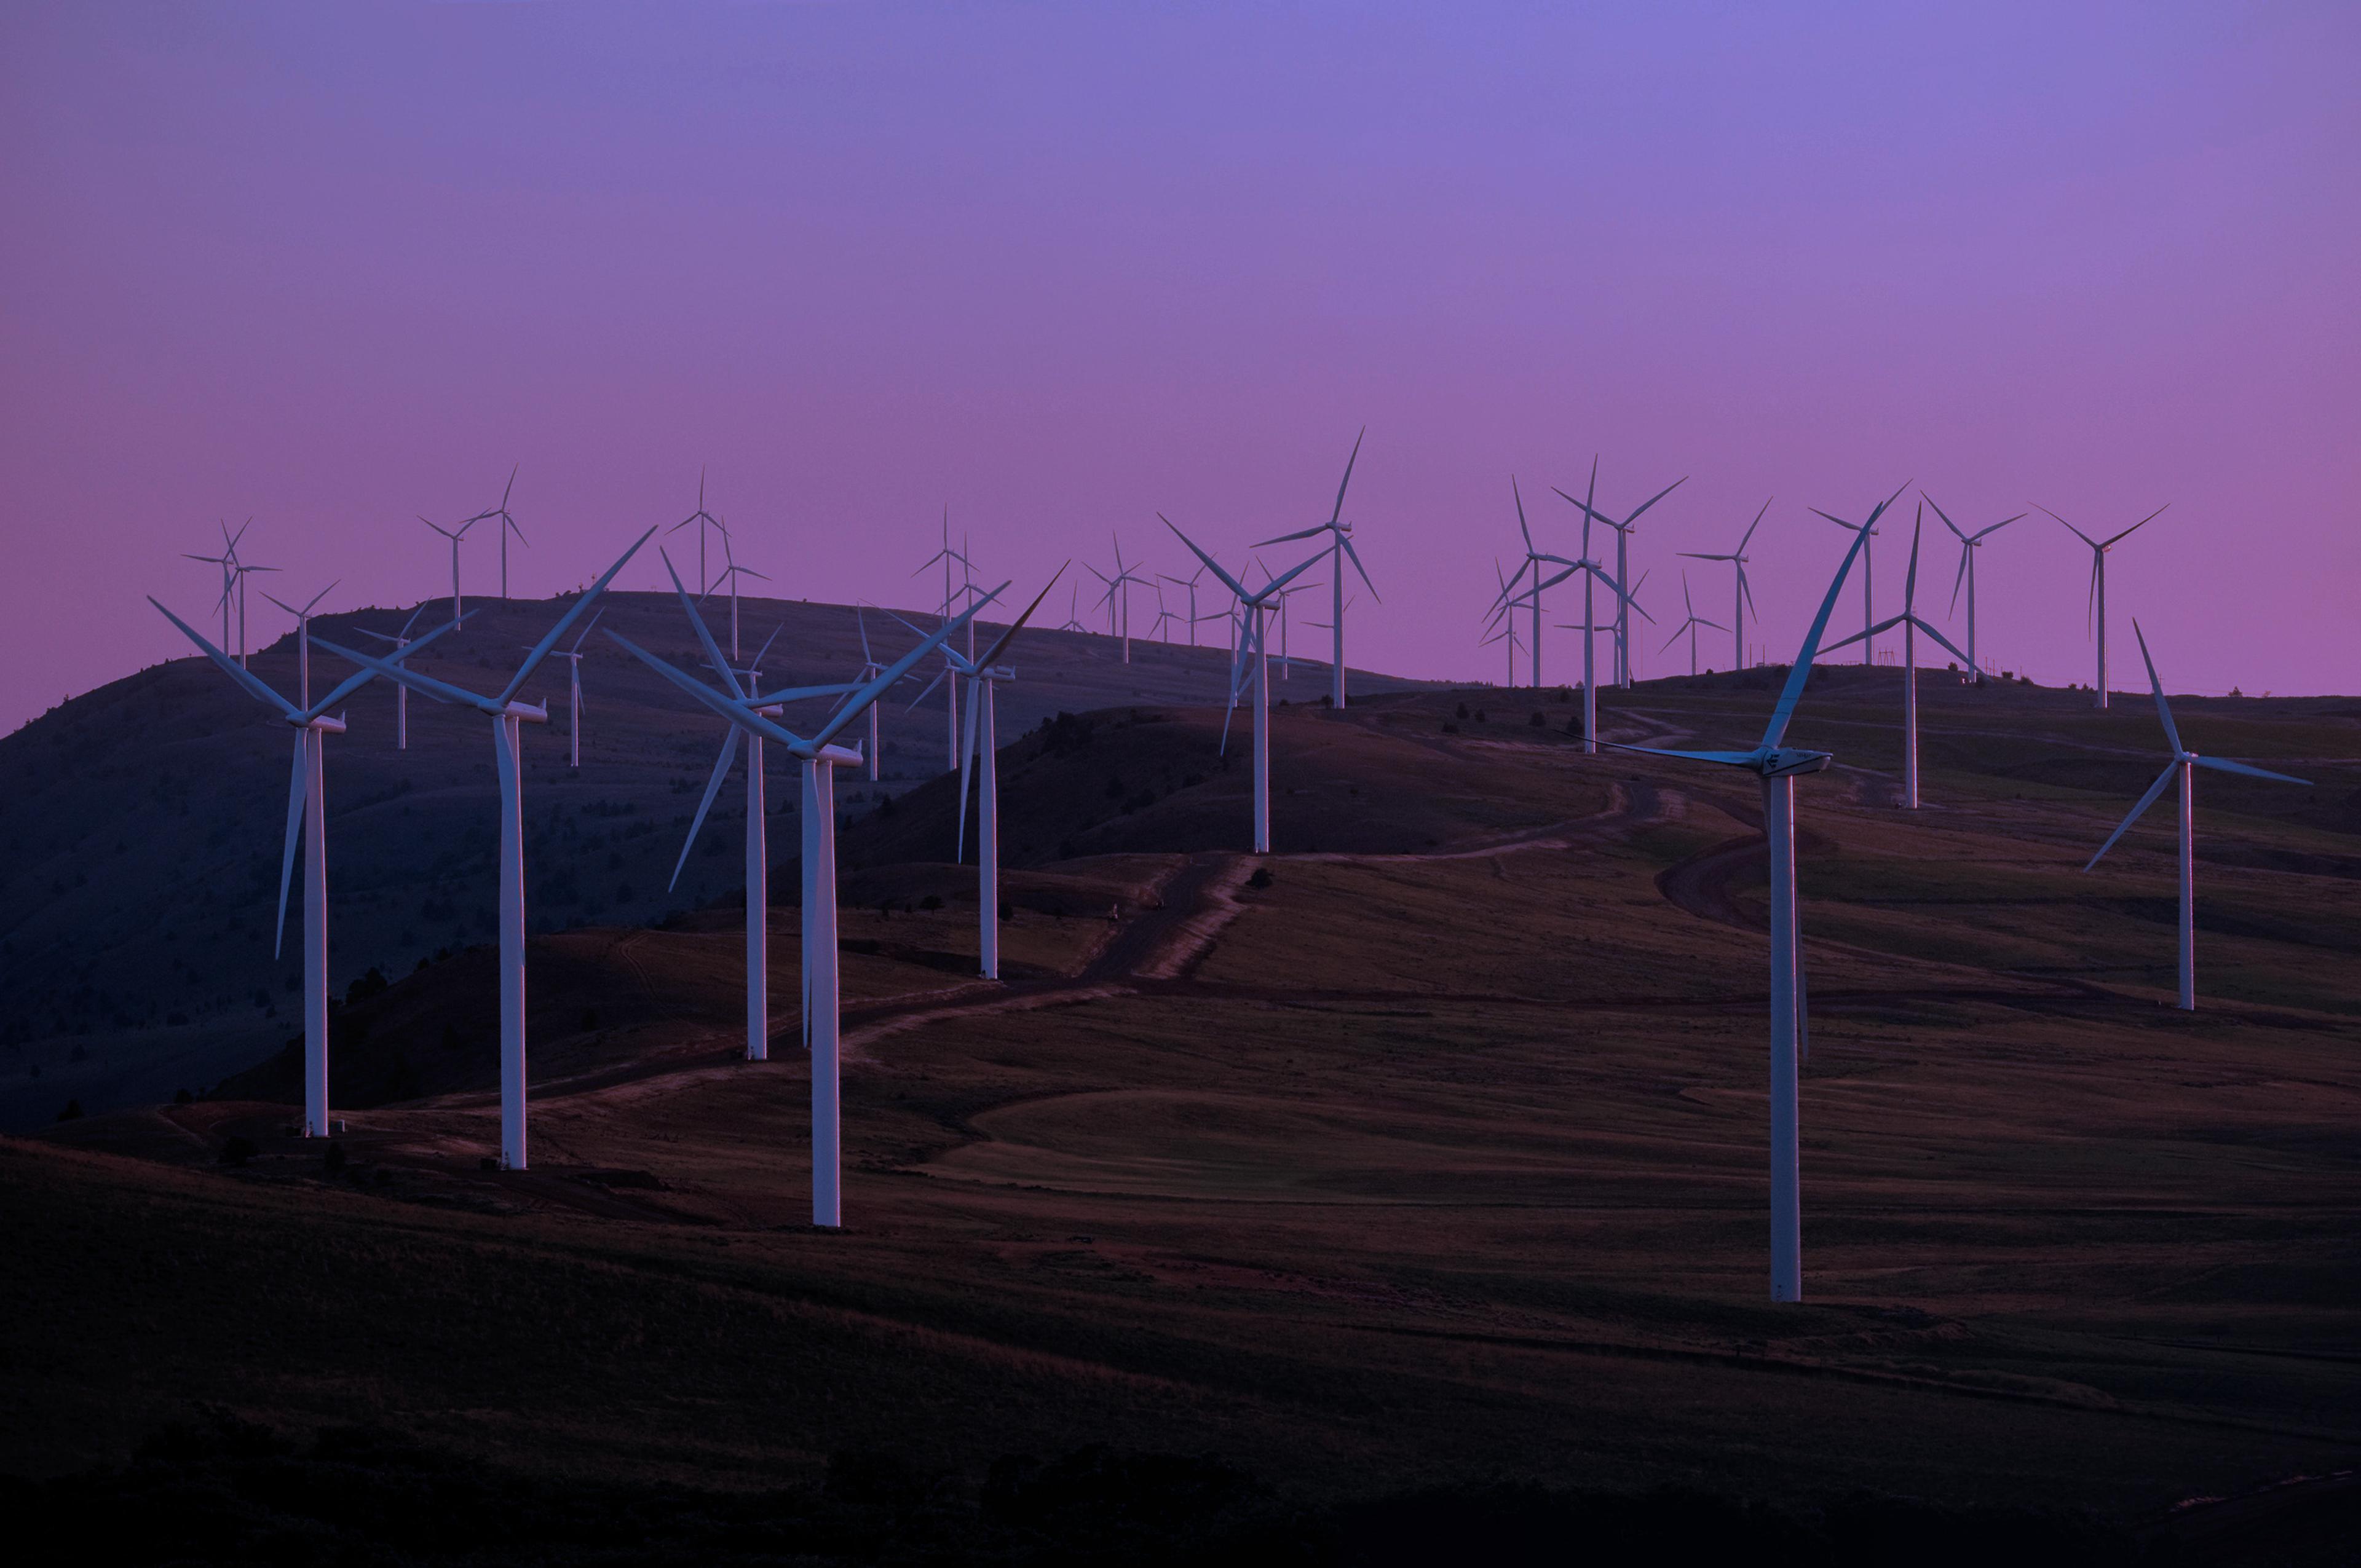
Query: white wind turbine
[[1868, 638], [1969, 545], [946, 555], [702, 520], [230, 575], [1690, 625], [1504, 616], [730, 572], [1741, 598], [1911, 626], [573, 657], [1777, 765], [1117, 597], [508, 526], [398, 640], [1189, 583], [2098, 599], [1511, 594], [458, 609], [2183, 767], [302, 643], [820, 759], [747, 683], [1253, 653], [1074, 614], [1339, 547], [307, 809], [1593, 572], [1625, 602], [508, 715], [982, 755]]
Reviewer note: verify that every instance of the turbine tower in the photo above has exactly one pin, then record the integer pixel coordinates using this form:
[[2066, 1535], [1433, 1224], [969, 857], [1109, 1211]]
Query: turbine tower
[[869, 668], [730, 572], [820, 759], [2182, 767], [1691, 625], [2098, 597], [1189, 583], [302, 647], [307, 809], [1969, 545], [508, 526], [1251, 652], [508, 715], [1741, 598], [1593, 573], [1778, 764], [1340, 546], [1911, 626]]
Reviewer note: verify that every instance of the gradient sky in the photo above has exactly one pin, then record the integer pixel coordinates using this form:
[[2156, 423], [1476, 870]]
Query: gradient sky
[[1059, 267]]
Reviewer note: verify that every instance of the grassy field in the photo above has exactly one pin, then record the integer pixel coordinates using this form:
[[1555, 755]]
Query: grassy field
[[1431, 1164]]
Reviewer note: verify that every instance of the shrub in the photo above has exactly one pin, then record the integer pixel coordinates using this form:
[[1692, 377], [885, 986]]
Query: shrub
[[335, 1161], [72, 1113], [1260, 879], [1537, 721], [931, 902], [238, 1150]]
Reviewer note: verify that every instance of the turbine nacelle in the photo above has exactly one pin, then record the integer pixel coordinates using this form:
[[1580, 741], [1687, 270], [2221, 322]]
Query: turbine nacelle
[[1788, 762]]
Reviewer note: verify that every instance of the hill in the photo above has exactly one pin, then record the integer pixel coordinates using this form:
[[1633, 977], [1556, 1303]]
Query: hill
[[1427, 1161], [142, 841]]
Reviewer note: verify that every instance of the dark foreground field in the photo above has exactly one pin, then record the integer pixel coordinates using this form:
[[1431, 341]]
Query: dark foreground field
[[1407, 1207]]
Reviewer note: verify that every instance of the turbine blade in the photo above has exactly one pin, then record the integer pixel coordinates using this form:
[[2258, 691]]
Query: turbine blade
[[354, 683], [1753, 526], [295, 793], [704, 634], [1960, 577], [1941, 513], [712, 787], [1777, 728], [993, 656], [1910, 578], [1727, 759], [896, 671], [1948, 645], [2225, 765], [574, 613], [1347, 479], [1355, 554], [2146, 801], [2163, 711], [1227, 581], [1652, 500], [967, 760], [2135, 528], [247, 681], [427, 685], [1290, 537], [753, 723]]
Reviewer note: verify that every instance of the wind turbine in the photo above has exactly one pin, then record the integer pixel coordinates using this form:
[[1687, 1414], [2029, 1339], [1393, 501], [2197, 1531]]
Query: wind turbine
[[1969, 545], [1691, 625], [1189, 583], [302, 646], [1504, 615], [458, 610], [1868, 638], [1532, 562], [307, 809], [703, 519], [2098, 599], [746, 683], [950, 688], [227, 562], [730, 572], [1911, 626], [1593, 572], [1741, 598], [1777, 765], [1117, 597], [1252, 650], [982, 755], [401, 640], [508, 715], [573, 657], [508, 526], [1074, 617], [820, 759], [1340, 546], [1622, 567], [2184, 764]]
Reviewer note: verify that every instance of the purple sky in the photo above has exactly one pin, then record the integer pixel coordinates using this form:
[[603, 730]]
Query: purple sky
[[1059, 268]]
